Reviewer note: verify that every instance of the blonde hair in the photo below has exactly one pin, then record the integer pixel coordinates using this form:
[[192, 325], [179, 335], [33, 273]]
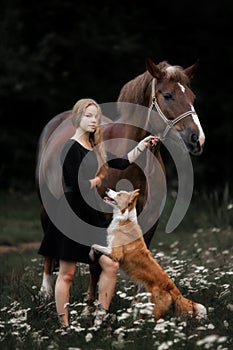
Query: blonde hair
[[95, 138]]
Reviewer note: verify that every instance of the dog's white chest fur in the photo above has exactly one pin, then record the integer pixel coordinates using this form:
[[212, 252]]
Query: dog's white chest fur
[[118, 218]]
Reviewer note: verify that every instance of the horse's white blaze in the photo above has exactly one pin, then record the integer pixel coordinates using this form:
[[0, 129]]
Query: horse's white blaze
[[170, 69], [197, 122], [182, 88]]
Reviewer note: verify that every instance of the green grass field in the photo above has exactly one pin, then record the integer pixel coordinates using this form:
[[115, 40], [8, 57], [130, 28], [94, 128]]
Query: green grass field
[[198, 256], [19, 218]]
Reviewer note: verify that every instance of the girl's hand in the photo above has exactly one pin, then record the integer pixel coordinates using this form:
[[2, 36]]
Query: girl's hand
[[96, 182], [142, 145], [147, 141]]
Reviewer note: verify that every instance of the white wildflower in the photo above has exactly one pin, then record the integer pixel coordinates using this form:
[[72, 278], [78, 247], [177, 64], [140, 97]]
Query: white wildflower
[[88, 337], [123, 316]]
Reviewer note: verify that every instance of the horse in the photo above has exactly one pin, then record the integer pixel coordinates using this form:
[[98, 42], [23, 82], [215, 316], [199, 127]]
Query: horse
[[162, 98]]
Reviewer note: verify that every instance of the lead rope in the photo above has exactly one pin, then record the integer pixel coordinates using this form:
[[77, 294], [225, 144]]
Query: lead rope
[[169, 123]]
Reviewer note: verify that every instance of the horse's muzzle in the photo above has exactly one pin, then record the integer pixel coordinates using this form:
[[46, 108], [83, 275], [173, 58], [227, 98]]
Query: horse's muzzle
[[191, 140]]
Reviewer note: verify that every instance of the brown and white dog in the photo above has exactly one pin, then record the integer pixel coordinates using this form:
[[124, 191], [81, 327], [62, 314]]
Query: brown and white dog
[[126, 245]]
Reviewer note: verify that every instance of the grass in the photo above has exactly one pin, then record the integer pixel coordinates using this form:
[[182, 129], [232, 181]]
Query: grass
[[19, 218], [198, 256]]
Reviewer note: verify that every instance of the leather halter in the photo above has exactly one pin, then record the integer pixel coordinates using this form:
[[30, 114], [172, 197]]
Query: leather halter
[[169, 123]]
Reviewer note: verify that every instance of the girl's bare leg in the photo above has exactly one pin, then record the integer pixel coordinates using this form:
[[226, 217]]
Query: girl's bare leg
[[107, 281], [62, 289]]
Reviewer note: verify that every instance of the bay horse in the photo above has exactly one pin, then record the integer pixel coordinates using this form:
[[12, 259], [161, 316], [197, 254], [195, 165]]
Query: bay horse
[[160, 102]]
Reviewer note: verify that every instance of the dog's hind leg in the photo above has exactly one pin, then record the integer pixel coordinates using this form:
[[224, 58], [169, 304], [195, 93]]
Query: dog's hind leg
[[169, 295], [162, 301], [164, 292], [182, 305]]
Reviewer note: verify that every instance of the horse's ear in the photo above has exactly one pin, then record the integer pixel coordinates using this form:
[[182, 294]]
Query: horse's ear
[[190, 71], [153, 69]]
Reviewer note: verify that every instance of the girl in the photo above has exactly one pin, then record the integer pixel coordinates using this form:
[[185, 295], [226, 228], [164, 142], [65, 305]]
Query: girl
[[80, 177]]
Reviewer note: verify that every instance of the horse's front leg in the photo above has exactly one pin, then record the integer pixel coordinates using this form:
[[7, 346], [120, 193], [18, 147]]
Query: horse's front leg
[[89, 309], [95, 271], [46, 289]]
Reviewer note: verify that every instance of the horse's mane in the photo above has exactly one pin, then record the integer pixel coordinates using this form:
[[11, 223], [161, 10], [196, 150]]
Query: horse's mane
[[135, 90]]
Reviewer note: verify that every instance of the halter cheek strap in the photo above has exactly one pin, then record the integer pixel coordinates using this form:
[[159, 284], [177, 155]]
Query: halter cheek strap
[[169, 123]]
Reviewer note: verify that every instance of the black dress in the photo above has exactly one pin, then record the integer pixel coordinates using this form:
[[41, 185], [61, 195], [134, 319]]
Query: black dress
[[85, 221]]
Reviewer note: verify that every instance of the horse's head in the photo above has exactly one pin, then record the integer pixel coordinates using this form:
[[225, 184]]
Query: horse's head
[[174, 98]]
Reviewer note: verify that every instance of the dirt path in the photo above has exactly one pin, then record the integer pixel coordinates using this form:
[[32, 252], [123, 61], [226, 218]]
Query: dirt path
[[19, 248]]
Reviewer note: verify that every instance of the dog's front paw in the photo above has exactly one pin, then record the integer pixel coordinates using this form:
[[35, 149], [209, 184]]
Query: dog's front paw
[[114, 258], [92, 254], [96, 252]]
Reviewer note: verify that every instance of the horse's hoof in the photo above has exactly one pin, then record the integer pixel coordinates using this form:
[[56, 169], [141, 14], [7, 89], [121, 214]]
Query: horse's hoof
[[45, 294], [87, 314], [101, 315]]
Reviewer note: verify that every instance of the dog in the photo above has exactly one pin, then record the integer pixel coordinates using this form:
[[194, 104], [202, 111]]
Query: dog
[[126, 245]]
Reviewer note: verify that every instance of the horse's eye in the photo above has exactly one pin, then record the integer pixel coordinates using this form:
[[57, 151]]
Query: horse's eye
[[168, 96]]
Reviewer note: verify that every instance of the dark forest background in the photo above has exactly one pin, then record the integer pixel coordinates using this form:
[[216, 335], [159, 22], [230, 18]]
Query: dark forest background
[[54, 52]]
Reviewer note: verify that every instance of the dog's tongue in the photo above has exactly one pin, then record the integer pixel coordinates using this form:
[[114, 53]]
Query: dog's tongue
[[108, 199]]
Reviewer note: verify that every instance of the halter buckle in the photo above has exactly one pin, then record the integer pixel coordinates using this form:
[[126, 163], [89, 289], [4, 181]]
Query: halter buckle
[[170, 123], [153, 100]]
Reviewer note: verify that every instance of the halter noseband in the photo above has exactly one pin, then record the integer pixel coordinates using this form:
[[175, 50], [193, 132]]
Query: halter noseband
[[169, 123]]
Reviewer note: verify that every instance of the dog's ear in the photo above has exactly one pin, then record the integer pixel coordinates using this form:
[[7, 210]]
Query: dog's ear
[[134, 195]]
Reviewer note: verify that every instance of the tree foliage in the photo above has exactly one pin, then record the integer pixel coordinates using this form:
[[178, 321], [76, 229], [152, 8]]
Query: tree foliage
[[54, 52]]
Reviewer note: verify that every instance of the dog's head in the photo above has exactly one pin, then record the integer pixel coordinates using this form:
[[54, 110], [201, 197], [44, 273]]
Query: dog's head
[[122, 200]]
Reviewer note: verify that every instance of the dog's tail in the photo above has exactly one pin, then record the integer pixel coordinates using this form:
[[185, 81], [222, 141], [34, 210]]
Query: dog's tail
[[186, 307]]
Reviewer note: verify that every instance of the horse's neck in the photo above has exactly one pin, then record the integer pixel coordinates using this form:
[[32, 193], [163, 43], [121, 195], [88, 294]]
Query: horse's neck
[[122, 137], [133, 122]]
